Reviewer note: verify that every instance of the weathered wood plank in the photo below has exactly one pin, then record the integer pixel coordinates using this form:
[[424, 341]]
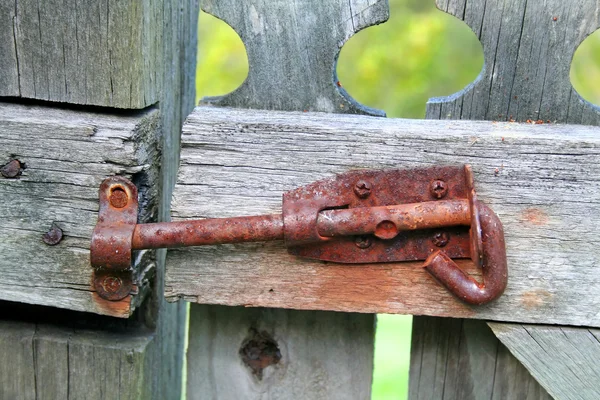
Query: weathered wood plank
[[541, 183], [462, 359], [105, 53], [528, 48], [292, 51], [141, 358], [562, 359], [65, 156], [294, 366], [40, 361]]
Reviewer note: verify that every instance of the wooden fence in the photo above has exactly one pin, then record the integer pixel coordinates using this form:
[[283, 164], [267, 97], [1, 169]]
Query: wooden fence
[[94, 89]]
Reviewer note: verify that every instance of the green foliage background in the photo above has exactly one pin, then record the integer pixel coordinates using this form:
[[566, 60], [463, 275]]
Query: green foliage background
[[419, 53]]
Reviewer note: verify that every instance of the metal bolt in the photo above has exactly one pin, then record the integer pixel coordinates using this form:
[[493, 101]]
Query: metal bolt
[[438, 189], [362, 189], [112, 284], [118, 198], [53, 236], [363, 242], [11, 170], [440, 239]]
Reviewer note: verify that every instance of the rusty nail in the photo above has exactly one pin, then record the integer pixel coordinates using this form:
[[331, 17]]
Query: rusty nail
[[362, 189], [441, 239], [438, 189], [363, 242], [11, 170], [118, 198], [112, 284], [53, 236]]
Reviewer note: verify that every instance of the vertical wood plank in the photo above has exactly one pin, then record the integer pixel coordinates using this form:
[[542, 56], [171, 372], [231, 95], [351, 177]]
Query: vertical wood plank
[[462, 359], [321, 355], [103, 53], [292, 50], [17, 371], [528, 48], [69, 355]]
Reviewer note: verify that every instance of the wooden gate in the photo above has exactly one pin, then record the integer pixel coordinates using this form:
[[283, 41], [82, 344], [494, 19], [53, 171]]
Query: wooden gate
[[96, 89]]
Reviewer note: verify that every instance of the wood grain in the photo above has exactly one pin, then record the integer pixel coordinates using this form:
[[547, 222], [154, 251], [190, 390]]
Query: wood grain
[[292, 51], [42, 361], [104, 53], [528, 47], [102, 358], [462, 359], [215, 365], [66, 155], [540, 182], [562, 359]]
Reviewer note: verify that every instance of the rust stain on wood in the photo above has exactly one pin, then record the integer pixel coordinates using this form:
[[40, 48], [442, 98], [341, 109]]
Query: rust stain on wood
[[535, 216], [121, 308], [536, 298], [384, 288]]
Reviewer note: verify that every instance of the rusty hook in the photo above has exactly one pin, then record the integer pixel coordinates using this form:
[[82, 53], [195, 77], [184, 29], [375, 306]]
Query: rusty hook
[[493, 264]]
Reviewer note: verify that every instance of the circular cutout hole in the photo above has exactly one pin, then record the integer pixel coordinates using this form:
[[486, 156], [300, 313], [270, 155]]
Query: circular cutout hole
[[421, 52], [222, 60], [585, 69]]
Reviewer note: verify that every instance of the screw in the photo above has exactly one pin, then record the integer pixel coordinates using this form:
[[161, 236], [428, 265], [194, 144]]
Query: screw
[[363, 242], [362, 189], [53, 236], [438, 189], [112, 284], [11, 170], [118, 198], [440, 239]]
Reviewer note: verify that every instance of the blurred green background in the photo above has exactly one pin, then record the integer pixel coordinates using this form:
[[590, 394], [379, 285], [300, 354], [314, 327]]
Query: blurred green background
[[419, 53]]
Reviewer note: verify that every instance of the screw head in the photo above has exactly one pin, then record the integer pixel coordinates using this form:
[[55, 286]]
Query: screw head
[[363, 242], [12, 169], [118, 197], [440, 239], [112, 284], [362, 189], [438, 189], [53, 236]]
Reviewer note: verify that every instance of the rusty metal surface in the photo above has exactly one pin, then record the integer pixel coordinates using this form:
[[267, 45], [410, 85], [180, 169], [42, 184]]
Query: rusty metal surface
[[403, 217], [208, 231], [111, 247], [12, 169], [53, 236], [494, 268], [442, 192]]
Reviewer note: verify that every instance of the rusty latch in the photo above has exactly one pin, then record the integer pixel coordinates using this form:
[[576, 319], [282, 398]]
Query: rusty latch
[[359, 217]]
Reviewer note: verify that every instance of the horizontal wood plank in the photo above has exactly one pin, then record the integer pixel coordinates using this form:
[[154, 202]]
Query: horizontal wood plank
[[65, 156], [541, 180]]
